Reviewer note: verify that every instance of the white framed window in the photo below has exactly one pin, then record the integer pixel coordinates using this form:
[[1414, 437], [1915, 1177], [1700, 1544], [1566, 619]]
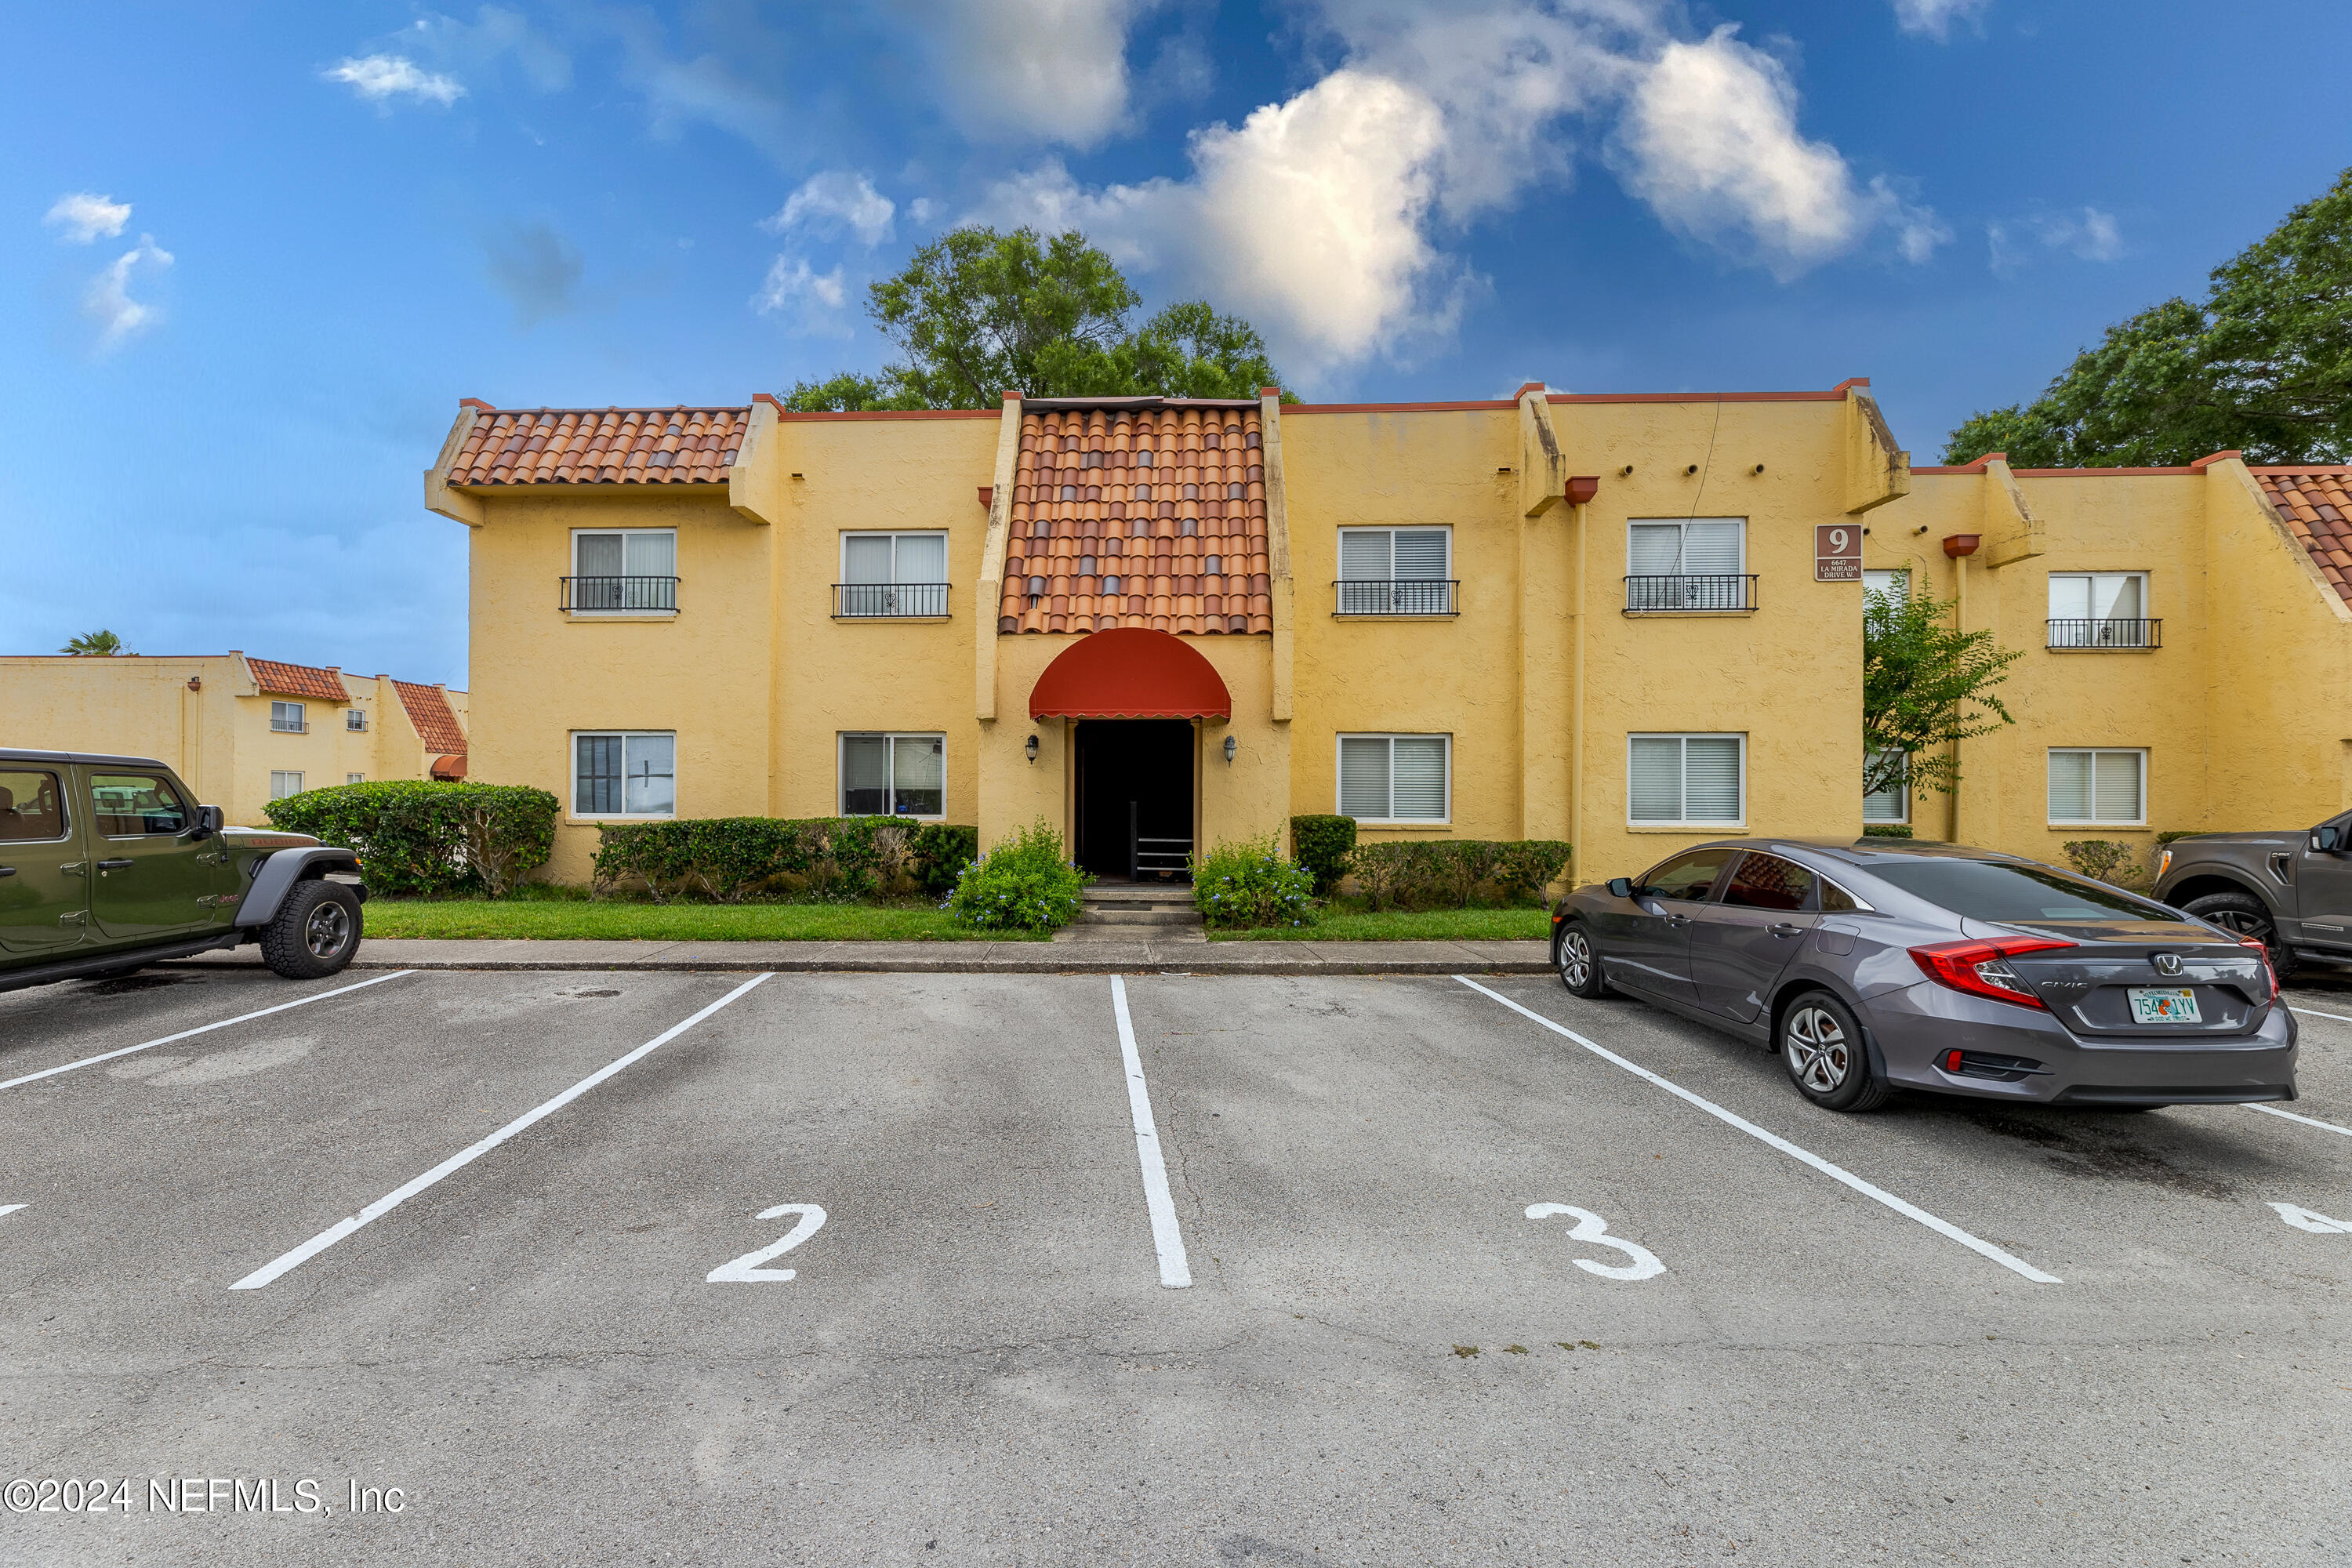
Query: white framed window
[[1687, 780], [1891, 804], [2099, 609], [354, 778], [282, 784], [2093, 787], [885, 775], [1396, 778], [286, 718], [623, 772], [897, 575], [1893, 585], [355, 719], [1396, 571], [623, 572], [1687, 564]]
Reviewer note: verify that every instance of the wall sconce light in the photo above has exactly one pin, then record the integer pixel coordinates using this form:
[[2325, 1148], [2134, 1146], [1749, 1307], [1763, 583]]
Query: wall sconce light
[[1029, 749], [1232, 746]]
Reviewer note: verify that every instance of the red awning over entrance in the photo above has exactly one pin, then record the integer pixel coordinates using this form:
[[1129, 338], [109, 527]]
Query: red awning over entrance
[[1130, 672]]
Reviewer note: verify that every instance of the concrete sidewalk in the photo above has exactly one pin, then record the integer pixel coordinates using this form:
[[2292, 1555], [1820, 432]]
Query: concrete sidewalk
[[1194, 956]]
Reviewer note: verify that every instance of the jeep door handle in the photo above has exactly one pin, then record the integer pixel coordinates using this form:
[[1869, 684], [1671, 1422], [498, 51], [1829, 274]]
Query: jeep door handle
[[116, 865], [1678, 920], [1782, 928]]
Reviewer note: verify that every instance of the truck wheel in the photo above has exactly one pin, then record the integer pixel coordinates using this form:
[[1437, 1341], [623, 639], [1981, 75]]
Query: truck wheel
[[316, 931], [2248, 916]]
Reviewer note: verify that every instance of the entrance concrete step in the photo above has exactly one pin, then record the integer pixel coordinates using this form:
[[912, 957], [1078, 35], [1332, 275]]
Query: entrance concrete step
[[1129, 911], [1150, 915]]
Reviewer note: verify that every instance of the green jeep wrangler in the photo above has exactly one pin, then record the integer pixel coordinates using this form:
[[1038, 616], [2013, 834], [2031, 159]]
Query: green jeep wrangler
[[106, 866]]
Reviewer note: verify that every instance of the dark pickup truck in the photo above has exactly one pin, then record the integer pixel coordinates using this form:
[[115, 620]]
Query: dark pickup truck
[[2293, 889], [107, 864]]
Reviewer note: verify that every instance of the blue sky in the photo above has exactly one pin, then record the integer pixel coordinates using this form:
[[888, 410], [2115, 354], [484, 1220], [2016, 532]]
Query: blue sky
[[255, 253]]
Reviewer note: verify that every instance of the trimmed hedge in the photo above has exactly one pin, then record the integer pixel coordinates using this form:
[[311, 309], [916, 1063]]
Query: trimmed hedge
[[419, 836], [1886, 830], [1249, 885], [732, 859], [1322, 845], [1023, 884], [1435, 873]]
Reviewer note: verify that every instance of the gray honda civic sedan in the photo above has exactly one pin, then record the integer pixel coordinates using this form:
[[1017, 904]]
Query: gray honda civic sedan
[[1877, 965]]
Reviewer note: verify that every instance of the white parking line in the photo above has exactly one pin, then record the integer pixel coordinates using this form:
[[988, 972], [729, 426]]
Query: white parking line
[[1836, 1172], [204, 1029], [2306, 1121], [10, 1208], [1174, 1272], [2312, 1013], [460, 1161]]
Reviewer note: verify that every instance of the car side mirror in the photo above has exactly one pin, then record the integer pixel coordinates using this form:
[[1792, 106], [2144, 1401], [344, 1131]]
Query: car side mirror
[[2327, 840], [209, 821], [1621, 887]]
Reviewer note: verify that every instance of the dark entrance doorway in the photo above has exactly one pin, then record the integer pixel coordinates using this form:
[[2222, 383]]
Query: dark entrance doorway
[[1135, 798]]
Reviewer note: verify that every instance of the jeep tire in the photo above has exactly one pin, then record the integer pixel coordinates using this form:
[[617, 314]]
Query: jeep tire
[[315, 932]]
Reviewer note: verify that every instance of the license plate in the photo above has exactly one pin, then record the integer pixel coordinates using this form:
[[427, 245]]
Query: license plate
[[2163, 1004]]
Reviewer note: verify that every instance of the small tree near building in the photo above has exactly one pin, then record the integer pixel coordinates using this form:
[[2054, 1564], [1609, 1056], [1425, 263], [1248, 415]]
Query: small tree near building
[[94, 645], [1924, 684]]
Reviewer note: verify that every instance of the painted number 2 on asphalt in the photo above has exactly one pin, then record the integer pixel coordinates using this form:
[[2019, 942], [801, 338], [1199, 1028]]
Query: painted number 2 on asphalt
[[1641, 1262], [746, 1269]]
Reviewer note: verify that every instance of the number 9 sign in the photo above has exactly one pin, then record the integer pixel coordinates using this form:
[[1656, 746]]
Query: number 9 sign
[[1837, 553]]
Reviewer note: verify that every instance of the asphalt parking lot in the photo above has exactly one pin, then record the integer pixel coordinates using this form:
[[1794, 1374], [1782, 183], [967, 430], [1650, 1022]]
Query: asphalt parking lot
[[1733, 1328]]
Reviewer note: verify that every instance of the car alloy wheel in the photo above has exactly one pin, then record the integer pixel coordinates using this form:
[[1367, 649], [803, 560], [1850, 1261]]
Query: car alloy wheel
[[1820, 1054], [1575, 959], [327, 930]]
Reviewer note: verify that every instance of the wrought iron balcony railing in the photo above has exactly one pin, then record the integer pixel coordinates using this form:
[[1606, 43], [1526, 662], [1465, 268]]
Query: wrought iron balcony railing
[[1395, 597], [889, 601], [1684, 594], [619, 596], [2074, 633]]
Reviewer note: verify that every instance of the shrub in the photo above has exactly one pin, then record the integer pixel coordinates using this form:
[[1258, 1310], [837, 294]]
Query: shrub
[[940, 850], [1250, 884], [420, 836], [2102, 860], [1528, 866], [1023, 884], [1322, 844], [1886, 830], [732, 859], [1429, 873]]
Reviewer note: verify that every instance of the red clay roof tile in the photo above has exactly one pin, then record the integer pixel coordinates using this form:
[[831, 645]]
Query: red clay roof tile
[[436, 722], [2316, 504], [1102, 535], [600, 447], [298, 681]]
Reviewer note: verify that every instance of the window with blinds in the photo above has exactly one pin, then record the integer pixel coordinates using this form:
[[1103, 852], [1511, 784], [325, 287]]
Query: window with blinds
[[2099, 609], [1396, 571], [894, 574], [1687, 564], [2091, 785], [1686, 780], [629, 570], [1396, 778], [621, 773], [893, 775], [1891, 803]]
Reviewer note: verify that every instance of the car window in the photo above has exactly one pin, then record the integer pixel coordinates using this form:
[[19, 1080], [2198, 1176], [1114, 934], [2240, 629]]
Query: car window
[[32, 806], [125, 804], [1835, 899], [1686, 876], [1988, 890], [1769, 882]]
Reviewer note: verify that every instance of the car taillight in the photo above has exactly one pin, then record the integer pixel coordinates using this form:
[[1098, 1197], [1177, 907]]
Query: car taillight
[[1979, 968], [2268, 969]]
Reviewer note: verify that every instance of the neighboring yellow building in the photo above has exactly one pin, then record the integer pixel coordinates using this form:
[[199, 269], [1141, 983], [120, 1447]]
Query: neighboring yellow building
[[1631, 622], [241, 732]]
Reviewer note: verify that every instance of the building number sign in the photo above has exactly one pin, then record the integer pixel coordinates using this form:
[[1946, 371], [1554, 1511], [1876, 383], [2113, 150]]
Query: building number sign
[[1837, 553]]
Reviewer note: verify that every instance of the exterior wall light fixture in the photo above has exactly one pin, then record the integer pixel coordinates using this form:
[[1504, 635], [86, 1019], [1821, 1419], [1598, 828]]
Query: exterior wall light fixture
[[1232, 746], [1029, 749]]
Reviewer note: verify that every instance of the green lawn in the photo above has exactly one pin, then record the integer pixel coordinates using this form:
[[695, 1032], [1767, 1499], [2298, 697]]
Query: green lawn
[[554, 920], [1351, 922]]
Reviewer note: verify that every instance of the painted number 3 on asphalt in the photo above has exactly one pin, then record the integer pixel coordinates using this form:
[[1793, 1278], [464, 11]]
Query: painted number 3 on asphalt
[[1642, 1263]]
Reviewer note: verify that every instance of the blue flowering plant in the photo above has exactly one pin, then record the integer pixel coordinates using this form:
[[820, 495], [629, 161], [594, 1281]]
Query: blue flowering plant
[[1023, 884], [1244, 885]]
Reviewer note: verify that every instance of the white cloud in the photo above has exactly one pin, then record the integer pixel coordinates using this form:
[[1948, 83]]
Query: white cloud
[[107, 301], [922, 210], [1934, 18], [383, 77], [85, 217], [2088, 235], [1054, 70], [832, 202], [815, 299]]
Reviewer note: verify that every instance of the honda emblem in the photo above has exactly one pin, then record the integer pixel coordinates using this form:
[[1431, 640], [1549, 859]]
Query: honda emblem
[[2165, 962]]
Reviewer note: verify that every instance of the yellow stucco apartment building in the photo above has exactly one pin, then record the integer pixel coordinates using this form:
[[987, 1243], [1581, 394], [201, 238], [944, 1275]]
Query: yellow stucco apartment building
[[240, 732], [1631, 622]]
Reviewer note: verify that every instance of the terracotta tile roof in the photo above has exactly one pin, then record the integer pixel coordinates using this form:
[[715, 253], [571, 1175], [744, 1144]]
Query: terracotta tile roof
[[2318, 506], [429, 712], [298, 681], [600, 447], [1101, 537]]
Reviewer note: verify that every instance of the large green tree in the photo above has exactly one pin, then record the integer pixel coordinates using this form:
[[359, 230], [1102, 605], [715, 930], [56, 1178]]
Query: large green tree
[[2264, 365], [976, 312], [1924, 684]]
